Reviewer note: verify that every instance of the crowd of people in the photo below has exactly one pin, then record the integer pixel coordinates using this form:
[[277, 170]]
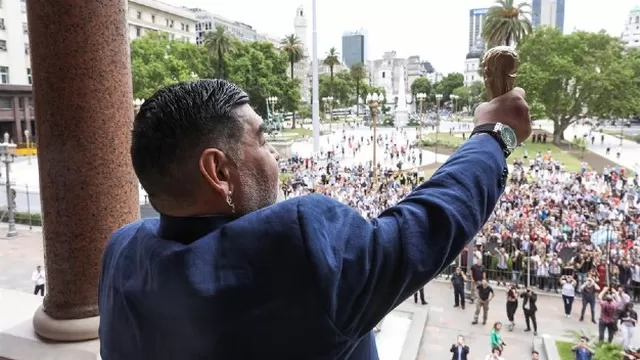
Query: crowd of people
[[572, 233]]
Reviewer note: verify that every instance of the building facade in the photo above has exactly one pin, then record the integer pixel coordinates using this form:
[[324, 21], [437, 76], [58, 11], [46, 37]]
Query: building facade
[[302, 69], [150, 15], [386, 73], [476, 21], [354, 48], [15, 66], [631, 34], [16, 112], [547, 13], [207, 21]]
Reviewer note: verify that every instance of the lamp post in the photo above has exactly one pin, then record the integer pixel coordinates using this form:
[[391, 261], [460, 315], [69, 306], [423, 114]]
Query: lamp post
[[328, 103], [454, 98], [374, 101], [438, 99], [421, 97], [272, 100], [8, 154], [137, 103], [28, 140]]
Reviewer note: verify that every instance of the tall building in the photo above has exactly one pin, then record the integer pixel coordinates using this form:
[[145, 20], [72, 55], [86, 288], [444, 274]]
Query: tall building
[[476, 21], [302, 69], [151, 15], [631, 34], [547, 13], [354, 48]]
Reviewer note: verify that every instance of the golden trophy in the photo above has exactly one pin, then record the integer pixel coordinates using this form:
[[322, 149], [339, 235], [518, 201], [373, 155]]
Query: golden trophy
[[500, 68]]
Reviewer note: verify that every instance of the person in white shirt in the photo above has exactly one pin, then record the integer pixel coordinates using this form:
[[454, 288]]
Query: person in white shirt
[[38, 278]]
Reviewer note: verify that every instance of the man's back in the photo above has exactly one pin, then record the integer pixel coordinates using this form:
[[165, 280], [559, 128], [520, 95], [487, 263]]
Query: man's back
[[220, 294]]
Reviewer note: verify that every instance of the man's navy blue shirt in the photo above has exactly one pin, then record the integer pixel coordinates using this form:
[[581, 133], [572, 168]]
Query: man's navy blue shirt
[[307, 278]]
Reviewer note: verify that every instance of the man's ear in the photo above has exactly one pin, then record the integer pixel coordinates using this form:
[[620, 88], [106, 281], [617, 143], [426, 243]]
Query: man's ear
[[215, 167]]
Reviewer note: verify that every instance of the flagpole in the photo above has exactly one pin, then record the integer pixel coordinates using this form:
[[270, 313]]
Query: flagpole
[[315, 106]]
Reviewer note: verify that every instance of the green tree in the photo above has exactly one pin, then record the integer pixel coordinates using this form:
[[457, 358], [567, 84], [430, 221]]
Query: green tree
[[219, 43], [262, 71], [294, 49], [157, 61], [581, 74], [422, 85], [341, 87], [358, 74], [448, 84], [506, 23], [470, 96], [332, 60]]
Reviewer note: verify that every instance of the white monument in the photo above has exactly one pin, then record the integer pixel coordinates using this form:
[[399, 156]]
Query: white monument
[[401, 113]]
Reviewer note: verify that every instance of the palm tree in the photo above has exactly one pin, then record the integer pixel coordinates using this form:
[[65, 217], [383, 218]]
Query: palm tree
[[506, 23], [219, 42], [332, 59], [358, 73], [292, 45]]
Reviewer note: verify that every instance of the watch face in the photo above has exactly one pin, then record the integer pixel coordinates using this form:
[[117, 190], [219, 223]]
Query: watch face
[[509, 137]]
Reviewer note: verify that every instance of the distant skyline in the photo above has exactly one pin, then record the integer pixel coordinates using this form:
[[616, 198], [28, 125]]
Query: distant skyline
[[437, 32]]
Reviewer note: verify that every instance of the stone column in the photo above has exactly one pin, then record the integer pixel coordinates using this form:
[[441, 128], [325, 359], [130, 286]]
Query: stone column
[[83, 103], [27, 115]]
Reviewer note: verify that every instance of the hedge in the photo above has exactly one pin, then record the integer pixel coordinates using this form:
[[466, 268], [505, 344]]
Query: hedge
[[34, 219]]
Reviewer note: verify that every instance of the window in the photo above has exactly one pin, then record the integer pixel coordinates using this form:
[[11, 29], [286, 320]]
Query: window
[[383, 74], [3, 45], [25, 28], [27, 49], [23, 6], [138, 15], [186, 27], [637, 19], [29, 75], [182, 26], [4, 74], [138, 31], [2, 27], [153, 19], [5, 103], [171, 23]]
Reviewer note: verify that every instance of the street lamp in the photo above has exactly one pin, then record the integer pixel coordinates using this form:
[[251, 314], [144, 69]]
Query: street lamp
[[454, 98], [272, 100], [8, 154], [438, 98], [137, 103], [374, 101], [328, 103], [28, 139], [421, 97]]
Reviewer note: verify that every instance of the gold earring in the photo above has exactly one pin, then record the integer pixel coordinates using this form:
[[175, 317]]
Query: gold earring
[[230, 203]]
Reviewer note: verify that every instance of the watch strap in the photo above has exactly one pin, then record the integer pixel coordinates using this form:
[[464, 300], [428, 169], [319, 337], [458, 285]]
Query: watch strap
[[490, 129]]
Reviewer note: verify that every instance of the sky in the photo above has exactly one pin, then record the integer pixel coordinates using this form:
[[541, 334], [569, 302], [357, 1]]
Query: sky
[[435, 30]]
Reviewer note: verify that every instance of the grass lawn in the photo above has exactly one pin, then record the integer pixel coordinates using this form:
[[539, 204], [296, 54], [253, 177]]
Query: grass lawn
[[570, 162], [617, 134], [564, 349], [297, 133]]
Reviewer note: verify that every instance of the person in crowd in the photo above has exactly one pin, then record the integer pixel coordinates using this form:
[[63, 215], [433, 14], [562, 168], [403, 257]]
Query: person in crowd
[[503, 266], [628, 319], [478, 274], [485, 295], [608, 314], [582, 349], [415, 296], [568, 293], [458, 279], [459, 350], [496, 354], [529, 308], [38, 277], [496, 337], [512, 305], [589, 290], [535, 355], [200, 152]]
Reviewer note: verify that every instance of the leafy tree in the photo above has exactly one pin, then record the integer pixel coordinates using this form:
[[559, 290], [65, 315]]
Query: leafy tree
[[341, 87], [581, 74], [157, 61], [448, 84], [219, 43], [292, 45], [471, 95], [506, 23], [422, 85], [332, 60], [262, 71], [358, 74]]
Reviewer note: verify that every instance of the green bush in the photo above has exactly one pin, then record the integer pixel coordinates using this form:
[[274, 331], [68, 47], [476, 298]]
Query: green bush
[[442, 142], [25, 218], [636, 138]]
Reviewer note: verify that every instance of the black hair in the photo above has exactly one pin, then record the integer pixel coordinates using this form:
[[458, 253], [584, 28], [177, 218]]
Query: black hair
[[535, 352], [175, 125]]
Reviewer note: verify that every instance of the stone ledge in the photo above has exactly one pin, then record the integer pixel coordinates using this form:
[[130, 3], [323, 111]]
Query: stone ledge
[[549, 347], [18, 340]]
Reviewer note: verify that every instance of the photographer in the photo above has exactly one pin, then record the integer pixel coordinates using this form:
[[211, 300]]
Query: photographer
[[495, 354], [608, 312], [512, 305], [568, 293], [589, 290], [582, 349], [459, 349], [529, 307]]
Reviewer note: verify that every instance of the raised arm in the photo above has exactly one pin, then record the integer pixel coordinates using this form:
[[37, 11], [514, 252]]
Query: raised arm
[[366, 268]]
